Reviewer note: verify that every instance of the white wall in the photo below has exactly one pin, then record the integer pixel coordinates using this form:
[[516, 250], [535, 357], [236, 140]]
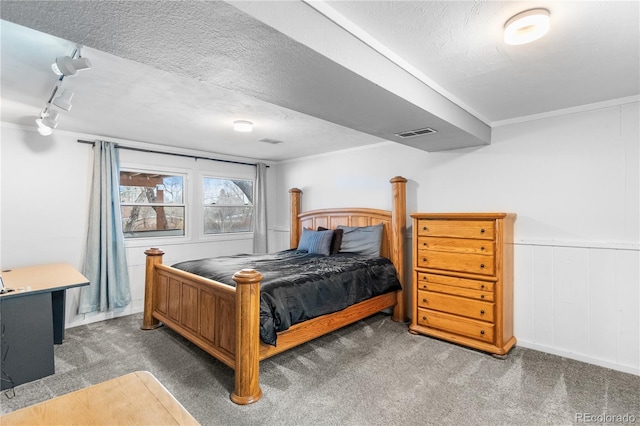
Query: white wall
[[573, 181], [45, 198]]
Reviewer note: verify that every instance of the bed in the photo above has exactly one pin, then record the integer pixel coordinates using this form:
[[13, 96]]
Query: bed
[[225, 321]]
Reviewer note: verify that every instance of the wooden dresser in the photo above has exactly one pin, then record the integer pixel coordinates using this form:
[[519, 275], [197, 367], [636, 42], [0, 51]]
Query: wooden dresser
[[463, 279]]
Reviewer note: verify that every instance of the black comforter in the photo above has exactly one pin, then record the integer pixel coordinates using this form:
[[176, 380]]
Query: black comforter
[[299, 286]]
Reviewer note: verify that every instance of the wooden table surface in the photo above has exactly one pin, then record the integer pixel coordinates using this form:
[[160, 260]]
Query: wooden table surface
[[42, 278], [133, 399]]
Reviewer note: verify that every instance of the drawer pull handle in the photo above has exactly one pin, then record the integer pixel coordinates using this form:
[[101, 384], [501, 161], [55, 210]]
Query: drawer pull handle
[[481, 331], [424, 300], [424, 318], [424, 244], [425, 286], [424, 259], [482, 248], [482, 265], [482, 231], [482, 296], [482, 286], [482, 312], [424, 228]]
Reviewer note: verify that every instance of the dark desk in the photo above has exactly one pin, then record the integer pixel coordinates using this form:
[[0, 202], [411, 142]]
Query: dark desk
[[32, 319]]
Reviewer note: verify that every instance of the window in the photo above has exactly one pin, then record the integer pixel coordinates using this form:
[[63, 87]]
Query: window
[[228, 205], [152, 204]]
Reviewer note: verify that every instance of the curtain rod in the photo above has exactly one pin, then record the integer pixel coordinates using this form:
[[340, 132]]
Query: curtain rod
[[197, 157]]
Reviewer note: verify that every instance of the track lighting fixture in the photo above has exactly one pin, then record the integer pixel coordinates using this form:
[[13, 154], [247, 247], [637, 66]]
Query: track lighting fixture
[[42, 129], [50, 120], [47, 121], [64, 66], [70, 65], [67, 66], [63, 100]]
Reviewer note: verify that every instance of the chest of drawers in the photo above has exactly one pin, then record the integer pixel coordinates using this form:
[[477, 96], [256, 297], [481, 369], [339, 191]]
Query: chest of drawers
[[462, 287]]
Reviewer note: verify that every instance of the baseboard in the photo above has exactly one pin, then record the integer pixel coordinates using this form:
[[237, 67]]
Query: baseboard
[[579, 357], [134, 307]]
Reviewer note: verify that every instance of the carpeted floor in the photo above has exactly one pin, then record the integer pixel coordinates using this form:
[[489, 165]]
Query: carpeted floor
[[371, 373]]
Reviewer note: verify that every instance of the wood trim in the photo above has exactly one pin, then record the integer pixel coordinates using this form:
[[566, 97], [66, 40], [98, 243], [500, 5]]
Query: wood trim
[[316, 327], [154, 257], [469, 216], [398, 231], [247, 387], [295, 208]]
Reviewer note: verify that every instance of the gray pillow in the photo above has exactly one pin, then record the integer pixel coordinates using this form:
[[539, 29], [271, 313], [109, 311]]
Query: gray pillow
[[315, 241], [364, 240]]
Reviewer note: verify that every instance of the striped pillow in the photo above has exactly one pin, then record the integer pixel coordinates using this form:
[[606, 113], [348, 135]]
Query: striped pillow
[[318, 242]]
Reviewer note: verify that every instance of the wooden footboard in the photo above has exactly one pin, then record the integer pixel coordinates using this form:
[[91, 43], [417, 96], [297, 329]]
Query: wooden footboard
[[225, 321]]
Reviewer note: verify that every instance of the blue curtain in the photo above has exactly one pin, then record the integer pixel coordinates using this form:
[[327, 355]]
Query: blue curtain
[[260, 210], [105, 263]]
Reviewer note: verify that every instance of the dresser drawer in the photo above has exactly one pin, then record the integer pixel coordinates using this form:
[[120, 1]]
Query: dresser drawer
[[477, 229], [456, 305], [456, 245], [464, 326], [472, 263], [455, 281], [426, 284]]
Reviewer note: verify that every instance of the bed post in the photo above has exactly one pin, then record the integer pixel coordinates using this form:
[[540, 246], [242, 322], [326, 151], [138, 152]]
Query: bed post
[[154, 257], [295, 212], [398, 230], [247, 357]]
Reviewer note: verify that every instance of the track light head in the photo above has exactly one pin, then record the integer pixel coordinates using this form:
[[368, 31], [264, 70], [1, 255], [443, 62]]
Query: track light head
[[50, 118], [67, 66], [42, 129], [63, 101]]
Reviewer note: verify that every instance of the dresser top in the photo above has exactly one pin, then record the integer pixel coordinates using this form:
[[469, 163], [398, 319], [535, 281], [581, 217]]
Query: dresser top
[[486, 215]]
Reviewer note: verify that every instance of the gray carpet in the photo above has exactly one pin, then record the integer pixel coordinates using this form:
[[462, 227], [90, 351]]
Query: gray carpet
[[371, 373]]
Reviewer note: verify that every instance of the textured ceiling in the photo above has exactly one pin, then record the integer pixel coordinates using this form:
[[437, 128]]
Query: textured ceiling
[[312, 75], [591, 53]]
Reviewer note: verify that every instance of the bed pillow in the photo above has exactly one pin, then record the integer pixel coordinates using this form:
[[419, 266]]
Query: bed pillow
[[364, 240], [336, 240], [318, 242]]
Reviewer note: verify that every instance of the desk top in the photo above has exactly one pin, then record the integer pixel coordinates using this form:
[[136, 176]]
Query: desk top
[[41, 278], [135, 398]]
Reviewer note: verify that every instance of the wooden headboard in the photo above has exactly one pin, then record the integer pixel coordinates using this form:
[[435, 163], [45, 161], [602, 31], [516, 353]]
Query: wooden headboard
[[331, 218], [394, 227]]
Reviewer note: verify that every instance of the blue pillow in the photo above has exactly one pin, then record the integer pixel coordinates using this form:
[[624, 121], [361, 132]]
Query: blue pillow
[[318, 242], [364, 240]]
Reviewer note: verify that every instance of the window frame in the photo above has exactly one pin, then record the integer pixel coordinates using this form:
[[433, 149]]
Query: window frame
[[161, 239], [201, 225]]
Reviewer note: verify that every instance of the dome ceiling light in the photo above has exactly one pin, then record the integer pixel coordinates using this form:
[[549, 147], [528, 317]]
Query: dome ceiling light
[[242, 126], [526, 26]]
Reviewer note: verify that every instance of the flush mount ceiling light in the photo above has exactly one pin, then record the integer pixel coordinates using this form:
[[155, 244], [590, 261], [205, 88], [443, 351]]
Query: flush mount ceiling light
[[526, 26], [242, 126]]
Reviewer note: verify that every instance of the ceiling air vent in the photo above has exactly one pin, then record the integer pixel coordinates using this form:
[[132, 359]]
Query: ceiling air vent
[[271, 141], [417, 132]]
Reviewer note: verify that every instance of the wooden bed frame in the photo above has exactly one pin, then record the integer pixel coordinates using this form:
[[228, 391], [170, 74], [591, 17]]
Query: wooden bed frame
[[224, 321]]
